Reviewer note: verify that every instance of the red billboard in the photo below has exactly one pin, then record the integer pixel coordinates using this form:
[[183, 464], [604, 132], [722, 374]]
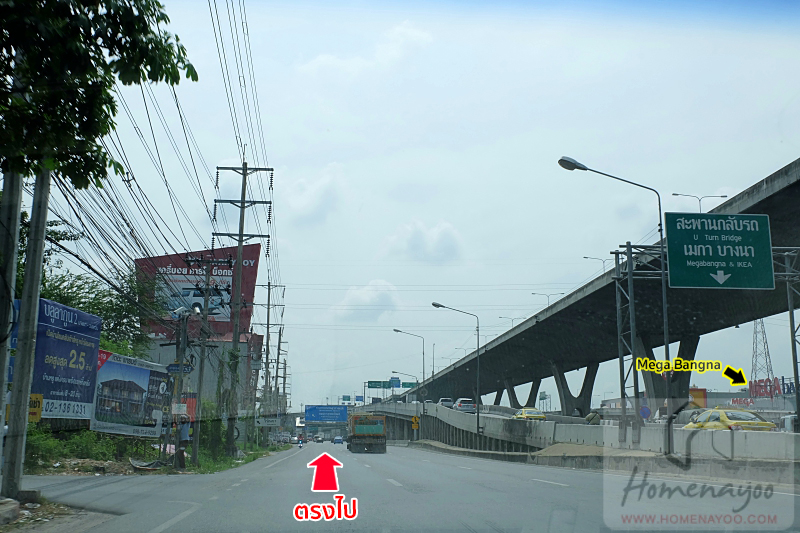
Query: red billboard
[[181, 284]]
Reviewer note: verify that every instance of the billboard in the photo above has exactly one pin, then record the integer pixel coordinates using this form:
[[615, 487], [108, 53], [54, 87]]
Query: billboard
[[326, 413], [180, 284], [698, 398], [65, 362], [132, 398]]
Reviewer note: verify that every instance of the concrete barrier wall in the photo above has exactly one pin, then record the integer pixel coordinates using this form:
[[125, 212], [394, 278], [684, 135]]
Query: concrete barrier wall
[[703, 443]]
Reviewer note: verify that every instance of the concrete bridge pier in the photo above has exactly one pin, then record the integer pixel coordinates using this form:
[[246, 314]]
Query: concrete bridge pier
[[512, 394], [535, 384], [654, 385], [498, 397], [583, 401]]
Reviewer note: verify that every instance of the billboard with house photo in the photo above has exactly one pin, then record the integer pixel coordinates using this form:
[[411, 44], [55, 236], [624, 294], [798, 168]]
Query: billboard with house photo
[[132, 396]]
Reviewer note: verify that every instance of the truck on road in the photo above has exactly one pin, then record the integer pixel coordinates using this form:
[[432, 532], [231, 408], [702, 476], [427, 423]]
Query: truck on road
[[366, 433]]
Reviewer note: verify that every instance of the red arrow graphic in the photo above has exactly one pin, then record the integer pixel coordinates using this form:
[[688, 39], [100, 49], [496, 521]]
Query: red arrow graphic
[[325, 479]]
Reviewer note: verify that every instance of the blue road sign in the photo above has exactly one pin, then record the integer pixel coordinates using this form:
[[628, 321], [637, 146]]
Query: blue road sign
[[644, 411], [175, 368], [326, 413]]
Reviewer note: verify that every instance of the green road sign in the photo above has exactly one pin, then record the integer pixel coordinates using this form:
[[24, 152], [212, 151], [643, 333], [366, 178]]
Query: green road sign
[[707, 251], [387, 384], [374, 384], [408, 385], [346, 398]]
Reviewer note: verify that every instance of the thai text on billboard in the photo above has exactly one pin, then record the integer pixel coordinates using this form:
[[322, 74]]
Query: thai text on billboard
[[326, 413], [65, 363]]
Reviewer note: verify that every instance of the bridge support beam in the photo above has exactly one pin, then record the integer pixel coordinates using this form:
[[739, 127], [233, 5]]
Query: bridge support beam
[[535, 384], [569, 403], [512, 394], [681, 380], [498, 397], [654, 385]]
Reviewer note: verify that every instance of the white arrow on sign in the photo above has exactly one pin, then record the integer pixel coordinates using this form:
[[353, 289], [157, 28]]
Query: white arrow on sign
[[720, 276]]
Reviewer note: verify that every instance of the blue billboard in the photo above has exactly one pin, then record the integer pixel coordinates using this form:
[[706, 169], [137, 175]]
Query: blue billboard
[[359, 398], [65, 363], [326, 413]]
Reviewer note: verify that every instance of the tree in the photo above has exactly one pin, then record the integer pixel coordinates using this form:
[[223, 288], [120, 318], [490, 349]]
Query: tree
[[123, 313], [59, 60]]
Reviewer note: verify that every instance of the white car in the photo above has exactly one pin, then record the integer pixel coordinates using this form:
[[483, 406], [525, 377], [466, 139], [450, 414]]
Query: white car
[[293, 440]]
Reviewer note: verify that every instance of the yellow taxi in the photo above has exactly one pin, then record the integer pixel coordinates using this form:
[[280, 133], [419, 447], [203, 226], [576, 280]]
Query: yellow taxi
[[730, 418], [529, 413]]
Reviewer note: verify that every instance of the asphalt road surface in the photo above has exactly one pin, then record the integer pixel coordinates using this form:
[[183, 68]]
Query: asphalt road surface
[[405, 489]]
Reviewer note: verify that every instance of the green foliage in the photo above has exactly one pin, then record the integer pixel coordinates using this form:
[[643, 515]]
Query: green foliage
[[58, 64], [44, 445]]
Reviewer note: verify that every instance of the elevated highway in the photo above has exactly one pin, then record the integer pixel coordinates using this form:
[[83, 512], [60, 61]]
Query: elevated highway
[[580, 330]]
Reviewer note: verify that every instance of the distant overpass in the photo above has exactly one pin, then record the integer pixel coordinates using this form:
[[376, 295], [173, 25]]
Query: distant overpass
[[580, 330]]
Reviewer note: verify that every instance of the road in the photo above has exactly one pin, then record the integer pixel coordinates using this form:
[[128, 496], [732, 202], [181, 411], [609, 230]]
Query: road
[[406, 489]]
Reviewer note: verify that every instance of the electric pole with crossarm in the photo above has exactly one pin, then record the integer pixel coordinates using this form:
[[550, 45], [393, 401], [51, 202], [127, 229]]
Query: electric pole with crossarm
[[240, 238]]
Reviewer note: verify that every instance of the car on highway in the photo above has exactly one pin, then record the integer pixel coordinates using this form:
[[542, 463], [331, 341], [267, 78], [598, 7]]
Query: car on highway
[[465, 405], [730, 418], [318, 438], [445, 402], [294, 440], [529, 413], [338, 440]]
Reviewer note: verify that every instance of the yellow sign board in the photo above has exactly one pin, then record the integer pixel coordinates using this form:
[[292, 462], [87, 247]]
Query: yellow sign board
[[35, 407], [415, 420], [414, 426]]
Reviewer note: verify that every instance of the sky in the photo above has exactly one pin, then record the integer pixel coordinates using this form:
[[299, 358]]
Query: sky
[[415, 148]]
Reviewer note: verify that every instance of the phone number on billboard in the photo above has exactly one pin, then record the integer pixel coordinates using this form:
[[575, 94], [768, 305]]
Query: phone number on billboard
[[55, 409]]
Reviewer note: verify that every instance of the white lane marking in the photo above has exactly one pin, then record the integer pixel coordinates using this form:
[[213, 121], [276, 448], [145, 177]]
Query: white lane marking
[[550, 482], [172, 521], [395, 483], [235, 484], [367, 465], [228, 489], [465, 467], [245, 480], [214, 498], [425, 461], [279, 460]]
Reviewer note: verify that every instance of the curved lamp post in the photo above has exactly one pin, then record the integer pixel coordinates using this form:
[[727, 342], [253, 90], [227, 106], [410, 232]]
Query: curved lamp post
[[569, 163], [477, 363]]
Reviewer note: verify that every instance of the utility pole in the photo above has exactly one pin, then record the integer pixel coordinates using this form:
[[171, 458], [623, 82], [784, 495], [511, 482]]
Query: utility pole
[[242, 204], [285, 400], [277, 372], [10, 207], [26, 344], [183, 341], [255, 385], [10, 210], [205, 330]]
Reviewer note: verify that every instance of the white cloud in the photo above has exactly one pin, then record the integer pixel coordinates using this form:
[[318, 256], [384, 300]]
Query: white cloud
[[368, 303], [392, 47], [310, 201], [415, 241]]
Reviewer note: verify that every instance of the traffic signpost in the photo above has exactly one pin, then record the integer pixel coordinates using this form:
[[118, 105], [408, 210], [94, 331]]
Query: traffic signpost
[[175, 368], [408, 385], [708, 251]]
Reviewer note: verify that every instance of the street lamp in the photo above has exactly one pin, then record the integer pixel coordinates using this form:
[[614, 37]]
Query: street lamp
[[598, 259], [477, 363], [700, 198], [512, 319], [571, 164], [423, 348], [548, 295]]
